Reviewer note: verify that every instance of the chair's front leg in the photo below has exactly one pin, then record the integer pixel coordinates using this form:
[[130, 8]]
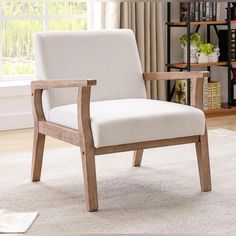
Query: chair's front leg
[[39, 139], [87, 148], [38, 148], [137, 158], [90, 182], [203, 162]]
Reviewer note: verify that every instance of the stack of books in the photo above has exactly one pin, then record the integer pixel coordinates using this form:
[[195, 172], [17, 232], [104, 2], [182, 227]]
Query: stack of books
[[200, 11], [211, 95], [223, 45]]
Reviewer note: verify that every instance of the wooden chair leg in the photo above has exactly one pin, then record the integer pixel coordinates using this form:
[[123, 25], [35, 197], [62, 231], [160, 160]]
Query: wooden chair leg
[[137, 158], [38, 148], [90, 182], [204, 163]]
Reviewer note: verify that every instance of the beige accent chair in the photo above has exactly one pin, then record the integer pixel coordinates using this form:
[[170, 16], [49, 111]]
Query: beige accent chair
[[111, 112]]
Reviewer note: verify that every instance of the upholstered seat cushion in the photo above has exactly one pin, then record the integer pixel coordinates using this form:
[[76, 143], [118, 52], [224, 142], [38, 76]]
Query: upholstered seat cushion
[[125, 121]]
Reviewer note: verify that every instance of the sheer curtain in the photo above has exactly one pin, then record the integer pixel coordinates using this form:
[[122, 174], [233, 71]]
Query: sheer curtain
[[146, 20]]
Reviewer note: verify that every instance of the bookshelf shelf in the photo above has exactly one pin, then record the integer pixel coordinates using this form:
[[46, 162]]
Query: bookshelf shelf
[[199, 65], [193, 26], [184, 24]]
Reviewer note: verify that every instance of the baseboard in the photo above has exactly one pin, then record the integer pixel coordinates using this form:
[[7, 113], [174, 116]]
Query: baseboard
[[16, 121]]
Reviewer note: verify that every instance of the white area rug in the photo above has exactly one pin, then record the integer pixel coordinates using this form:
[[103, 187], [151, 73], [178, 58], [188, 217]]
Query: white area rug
[[163, 196]]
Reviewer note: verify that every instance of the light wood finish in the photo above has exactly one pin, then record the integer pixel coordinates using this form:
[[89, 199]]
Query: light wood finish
[[220, 112], [43, 127], [50, 84], [137, 158], [175, 75], [60, 132], [225, 122], [199, 65], [38, 149], [196, 98], [145, 145], [39, 139], [83, 136], [87, 148], [203, 162]]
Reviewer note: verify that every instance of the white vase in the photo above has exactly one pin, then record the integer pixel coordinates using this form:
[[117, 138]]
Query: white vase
[[214, 57], [201, 57], [193, 51]]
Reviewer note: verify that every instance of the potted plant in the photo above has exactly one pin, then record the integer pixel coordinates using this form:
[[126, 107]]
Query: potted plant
[[195, 40], [205, 50]]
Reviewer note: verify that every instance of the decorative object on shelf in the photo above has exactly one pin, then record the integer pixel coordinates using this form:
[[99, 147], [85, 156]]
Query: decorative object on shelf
[[233, 87], [214, 56], [223, 45], [233, 11], [195, 40], [205, 50], [201, 58], [181, 91]]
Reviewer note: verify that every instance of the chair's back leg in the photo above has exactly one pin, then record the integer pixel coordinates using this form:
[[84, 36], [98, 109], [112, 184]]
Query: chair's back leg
[[137, 158], [203, 162], [38, 148]]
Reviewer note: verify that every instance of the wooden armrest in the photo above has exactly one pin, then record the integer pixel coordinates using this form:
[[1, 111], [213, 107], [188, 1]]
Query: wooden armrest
[[175, 75], [49, 84], [197, 79], [38, 86]]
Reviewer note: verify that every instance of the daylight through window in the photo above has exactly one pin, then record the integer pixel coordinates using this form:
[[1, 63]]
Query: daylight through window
[[20, 20]]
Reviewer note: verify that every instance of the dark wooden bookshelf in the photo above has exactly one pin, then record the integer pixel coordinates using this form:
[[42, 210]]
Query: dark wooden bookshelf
[[193, 26]]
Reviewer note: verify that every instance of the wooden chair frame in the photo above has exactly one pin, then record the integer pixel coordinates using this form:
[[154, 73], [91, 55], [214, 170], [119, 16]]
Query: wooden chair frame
[[84, 139]]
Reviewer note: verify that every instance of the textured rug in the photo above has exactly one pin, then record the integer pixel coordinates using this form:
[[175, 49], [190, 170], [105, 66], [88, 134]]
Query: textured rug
[[163, 196]]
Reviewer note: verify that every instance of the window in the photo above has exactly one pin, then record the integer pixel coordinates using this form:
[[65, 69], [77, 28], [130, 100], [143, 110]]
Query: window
[[21, 19]]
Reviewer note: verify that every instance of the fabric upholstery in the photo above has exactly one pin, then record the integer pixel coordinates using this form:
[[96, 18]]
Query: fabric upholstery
[[108, 56], [124, 121]]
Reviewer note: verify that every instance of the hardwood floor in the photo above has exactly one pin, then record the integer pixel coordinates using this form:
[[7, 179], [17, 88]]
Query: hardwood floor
[[20, 141]]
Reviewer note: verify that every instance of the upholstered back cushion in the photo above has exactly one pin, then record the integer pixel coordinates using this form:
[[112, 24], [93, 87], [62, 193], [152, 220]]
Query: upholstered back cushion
[[108, 56]]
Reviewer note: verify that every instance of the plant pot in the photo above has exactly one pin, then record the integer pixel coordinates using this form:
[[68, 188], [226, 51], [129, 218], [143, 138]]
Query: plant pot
[[201, 57], [193, 51], [214, 57]]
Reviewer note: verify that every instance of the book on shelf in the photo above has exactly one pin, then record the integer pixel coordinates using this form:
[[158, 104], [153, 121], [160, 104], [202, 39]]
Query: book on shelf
[[183, 11], [223, 45], [205, 94], [214, 11], [181, 91], [211, 95], [196, 11], [200, 11]]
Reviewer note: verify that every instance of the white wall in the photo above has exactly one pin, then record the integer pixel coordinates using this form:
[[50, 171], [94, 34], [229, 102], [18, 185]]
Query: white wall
[[15, 105]]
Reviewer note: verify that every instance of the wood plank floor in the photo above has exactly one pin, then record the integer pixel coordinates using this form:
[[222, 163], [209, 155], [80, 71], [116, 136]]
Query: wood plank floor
[[20, 141]]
